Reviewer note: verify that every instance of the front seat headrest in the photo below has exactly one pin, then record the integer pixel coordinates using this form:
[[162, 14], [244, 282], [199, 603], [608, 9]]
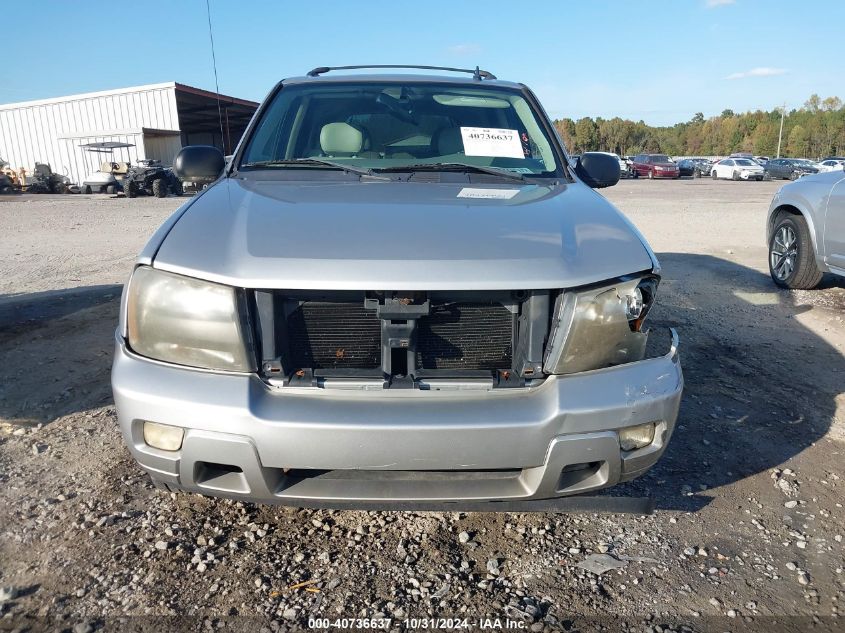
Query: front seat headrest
[[448, 140], [341, 139]]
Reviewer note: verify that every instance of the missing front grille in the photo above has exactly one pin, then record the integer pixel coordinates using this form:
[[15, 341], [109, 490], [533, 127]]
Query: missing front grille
[[332, 335], [466, 336]]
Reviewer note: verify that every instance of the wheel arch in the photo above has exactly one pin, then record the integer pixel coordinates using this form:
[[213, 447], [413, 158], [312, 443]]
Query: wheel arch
[[787, 209]]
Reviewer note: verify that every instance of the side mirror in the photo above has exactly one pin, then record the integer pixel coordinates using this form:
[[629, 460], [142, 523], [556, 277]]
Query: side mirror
[[199, 163], [597, 170]]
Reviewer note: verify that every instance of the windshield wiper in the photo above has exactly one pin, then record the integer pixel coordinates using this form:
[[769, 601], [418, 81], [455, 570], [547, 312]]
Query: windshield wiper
[[311, 162], [453, 167]]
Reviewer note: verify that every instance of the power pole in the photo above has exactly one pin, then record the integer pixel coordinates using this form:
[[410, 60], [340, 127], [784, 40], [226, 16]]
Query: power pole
[[780, 134]]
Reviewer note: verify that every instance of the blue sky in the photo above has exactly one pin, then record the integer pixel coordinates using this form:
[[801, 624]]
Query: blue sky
[[651, 60]]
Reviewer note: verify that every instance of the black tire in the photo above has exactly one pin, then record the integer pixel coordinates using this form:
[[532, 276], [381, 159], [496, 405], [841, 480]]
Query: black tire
[[176, 188], [59, 188], [805, 274], [86, 189], [160, 188], [110, 189], [130, 189], [635, 174], [793, 175], [650, 175], [713, 175], [735, 176], [696, 173]]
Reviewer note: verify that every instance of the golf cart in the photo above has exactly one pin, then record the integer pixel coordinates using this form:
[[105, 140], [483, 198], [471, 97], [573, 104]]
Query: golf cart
[[108, 178], [150, 177]]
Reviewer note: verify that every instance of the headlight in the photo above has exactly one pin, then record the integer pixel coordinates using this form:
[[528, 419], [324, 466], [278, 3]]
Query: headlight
[[187, 321], [600, 327]]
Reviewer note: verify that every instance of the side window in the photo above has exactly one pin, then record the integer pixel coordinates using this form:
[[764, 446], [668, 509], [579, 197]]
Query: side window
[[729, 163]]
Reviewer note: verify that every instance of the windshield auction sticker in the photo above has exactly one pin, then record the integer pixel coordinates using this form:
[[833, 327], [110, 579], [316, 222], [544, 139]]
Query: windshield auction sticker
[[488, 194], [490, 141]]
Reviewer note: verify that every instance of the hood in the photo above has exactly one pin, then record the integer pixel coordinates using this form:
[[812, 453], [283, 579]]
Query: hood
[[401, 236]]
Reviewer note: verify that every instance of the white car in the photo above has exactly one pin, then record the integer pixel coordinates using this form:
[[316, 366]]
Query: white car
[[831, 165], [737, 169]]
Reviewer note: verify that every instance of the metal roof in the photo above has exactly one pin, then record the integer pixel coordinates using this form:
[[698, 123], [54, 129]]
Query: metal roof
[[183, 88]]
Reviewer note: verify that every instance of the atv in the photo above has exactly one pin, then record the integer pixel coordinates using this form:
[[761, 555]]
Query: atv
[[150, 177]]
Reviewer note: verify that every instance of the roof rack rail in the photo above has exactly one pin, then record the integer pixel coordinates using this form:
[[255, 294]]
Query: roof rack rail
[[477, 74]]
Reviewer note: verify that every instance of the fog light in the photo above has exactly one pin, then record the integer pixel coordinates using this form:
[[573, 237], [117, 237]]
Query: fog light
[[634, 437], [163, 436]]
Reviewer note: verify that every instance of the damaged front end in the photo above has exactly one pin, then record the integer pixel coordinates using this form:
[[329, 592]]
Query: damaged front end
[[600, 326]]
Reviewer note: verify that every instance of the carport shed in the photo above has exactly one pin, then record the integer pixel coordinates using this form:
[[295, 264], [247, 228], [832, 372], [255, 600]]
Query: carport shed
[[157, 119]]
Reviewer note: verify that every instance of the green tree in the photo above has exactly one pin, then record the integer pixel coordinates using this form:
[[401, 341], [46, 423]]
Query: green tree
[[586, 135]]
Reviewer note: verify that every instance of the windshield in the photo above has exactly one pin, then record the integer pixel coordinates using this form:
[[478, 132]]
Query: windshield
[[390, 125], [804, 163], [744, 162], [660, 158]]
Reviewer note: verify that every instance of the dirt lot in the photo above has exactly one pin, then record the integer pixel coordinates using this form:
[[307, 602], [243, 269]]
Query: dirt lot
[[747, 534]]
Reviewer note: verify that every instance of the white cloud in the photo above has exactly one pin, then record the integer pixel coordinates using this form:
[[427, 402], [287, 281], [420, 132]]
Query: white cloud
[[763, 71], [712, 4], [465, 49]]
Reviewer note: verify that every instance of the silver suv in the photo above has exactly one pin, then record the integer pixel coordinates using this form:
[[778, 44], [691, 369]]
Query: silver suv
[[806, 231], [399, 290]]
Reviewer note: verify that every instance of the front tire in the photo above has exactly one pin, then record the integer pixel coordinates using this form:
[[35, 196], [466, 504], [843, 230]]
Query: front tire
[[159, 188], [130, 189], [792, 262], [650, 175], [735, 176], [713, 175]]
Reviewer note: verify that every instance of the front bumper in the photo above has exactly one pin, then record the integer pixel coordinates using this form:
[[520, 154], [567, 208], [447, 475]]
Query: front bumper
[[246, 440]]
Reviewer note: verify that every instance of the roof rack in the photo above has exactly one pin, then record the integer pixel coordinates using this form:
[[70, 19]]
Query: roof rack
[[477, 74]]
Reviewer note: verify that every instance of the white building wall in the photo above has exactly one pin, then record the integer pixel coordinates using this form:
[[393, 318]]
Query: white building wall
[[51, 130]]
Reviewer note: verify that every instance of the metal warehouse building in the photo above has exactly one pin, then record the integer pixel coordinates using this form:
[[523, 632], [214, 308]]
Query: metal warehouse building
[[158, 120]]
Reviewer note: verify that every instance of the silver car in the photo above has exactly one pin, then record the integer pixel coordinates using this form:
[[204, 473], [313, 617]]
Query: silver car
[[399, 290], [805, 230]]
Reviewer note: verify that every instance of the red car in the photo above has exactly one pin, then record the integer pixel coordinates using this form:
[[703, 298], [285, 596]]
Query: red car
[[654, 166]]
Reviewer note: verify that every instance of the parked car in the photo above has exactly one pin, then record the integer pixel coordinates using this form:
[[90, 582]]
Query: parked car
[[654, 166], [762, 160], [790, 168], [737, 169], [695, 167], [392, 302], [831, 164], [805, 231]]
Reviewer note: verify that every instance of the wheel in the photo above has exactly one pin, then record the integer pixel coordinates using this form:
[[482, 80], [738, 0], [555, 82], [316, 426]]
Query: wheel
[[713, 175], [110, 189], [650, 175], [176, 188], [635, 174], [130, 189], [59, 187], [159, 188], [792, 262], [793, 175], [735, 176], [86, 189], [696, 173]]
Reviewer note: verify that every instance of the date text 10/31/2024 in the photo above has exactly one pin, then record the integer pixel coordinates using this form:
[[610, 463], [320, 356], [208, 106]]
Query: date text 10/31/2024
[[429, 624]]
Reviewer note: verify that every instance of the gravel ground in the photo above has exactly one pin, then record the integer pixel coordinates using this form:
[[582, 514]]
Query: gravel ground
[[749, 523]]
